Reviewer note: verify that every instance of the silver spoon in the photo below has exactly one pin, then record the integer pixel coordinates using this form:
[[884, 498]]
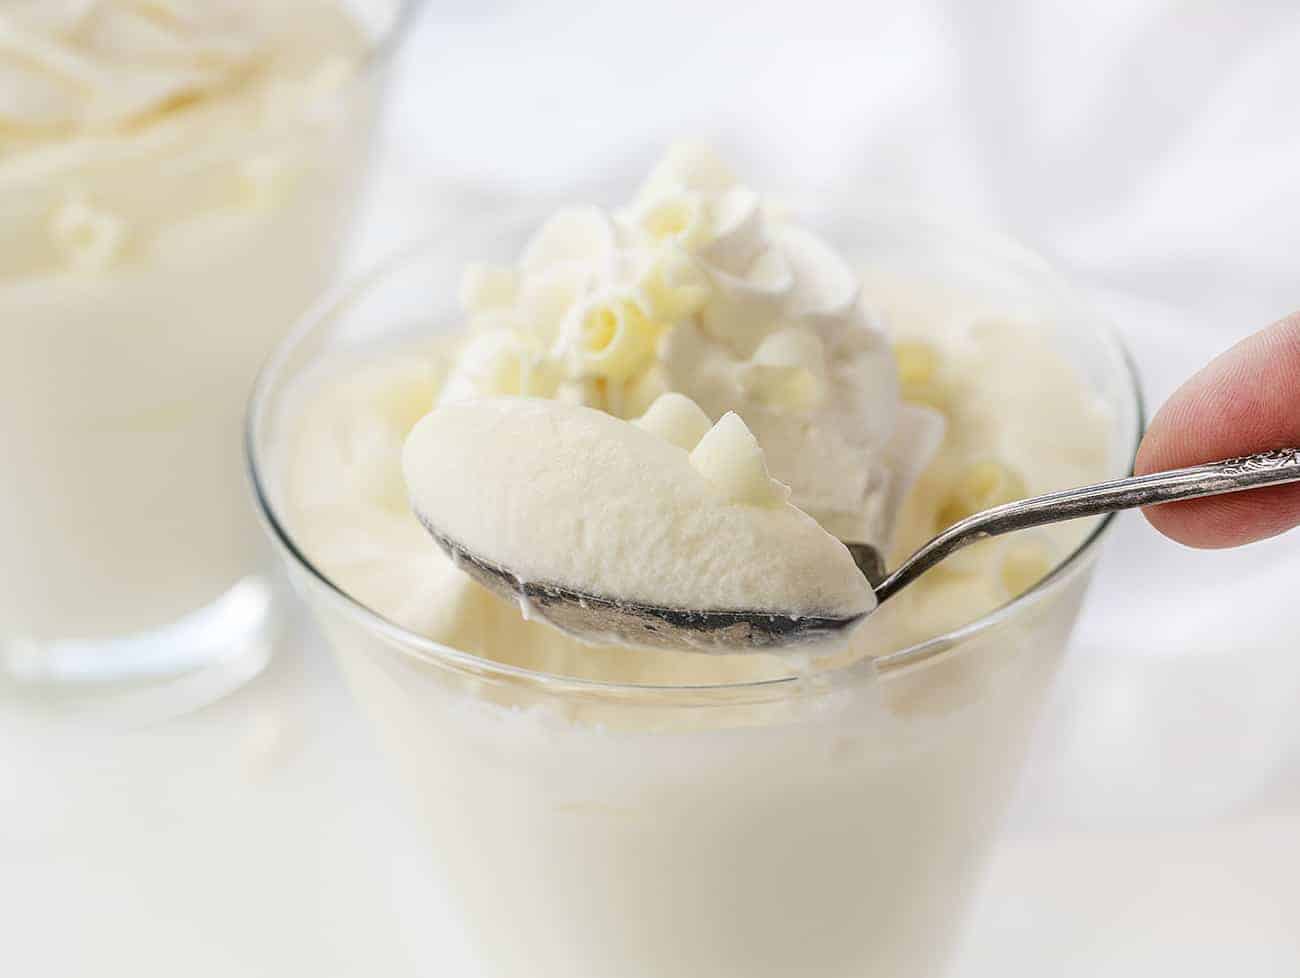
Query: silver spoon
[[605, 619]]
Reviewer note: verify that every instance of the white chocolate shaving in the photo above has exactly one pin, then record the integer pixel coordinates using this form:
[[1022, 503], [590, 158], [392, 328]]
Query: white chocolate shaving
[[729, 457]]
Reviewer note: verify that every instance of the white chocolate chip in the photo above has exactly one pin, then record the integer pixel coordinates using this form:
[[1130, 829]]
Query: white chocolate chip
[[730, 458]]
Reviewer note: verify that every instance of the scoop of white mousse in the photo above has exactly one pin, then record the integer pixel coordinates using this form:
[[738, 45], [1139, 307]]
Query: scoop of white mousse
[[666, 511]]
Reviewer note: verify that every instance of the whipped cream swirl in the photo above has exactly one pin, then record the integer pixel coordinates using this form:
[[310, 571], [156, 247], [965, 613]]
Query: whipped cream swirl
[[698, 287]]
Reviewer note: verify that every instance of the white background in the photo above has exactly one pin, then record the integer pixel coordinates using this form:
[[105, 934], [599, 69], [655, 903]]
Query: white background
[[1152, 149]]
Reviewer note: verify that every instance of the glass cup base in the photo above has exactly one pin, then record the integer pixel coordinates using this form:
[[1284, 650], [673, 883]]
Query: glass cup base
[[151, 675]]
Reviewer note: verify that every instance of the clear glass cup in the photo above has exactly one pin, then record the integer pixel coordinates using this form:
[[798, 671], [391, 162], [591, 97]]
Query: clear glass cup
[[165, 263], [829, 827]]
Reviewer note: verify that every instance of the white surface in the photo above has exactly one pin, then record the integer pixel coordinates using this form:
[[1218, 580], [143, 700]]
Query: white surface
[[1152, 148]]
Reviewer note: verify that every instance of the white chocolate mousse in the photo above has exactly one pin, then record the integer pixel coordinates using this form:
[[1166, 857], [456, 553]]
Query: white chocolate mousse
[[566, 495]]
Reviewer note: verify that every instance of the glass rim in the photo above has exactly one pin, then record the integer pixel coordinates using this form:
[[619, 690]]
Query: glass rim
[[390, 39], [424, 648]]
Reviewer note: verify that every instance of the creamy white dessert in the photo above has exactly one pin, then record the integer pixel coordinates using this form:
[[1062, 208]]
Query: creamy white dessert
[[175, 179], [655, 814], [668, 512]]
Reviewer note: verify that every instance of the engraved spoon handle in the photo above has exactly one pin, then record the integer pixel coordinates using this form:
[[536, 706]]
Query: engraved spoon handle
[[1211, 479]]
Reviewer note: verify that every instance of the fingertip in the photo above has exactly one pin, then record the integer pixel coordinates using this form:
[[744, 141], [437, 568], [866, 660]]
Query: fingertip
[[1228, 521], [1246, 400]]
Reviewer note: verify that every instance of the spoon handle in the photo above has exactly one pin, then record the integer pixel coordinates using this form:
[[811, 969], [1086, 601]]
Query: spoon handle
[[1211, 479]]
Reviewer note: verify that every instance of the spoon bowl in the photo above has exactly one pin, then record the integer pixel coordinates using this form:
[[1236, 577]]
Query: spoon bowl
[[602, 619]]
